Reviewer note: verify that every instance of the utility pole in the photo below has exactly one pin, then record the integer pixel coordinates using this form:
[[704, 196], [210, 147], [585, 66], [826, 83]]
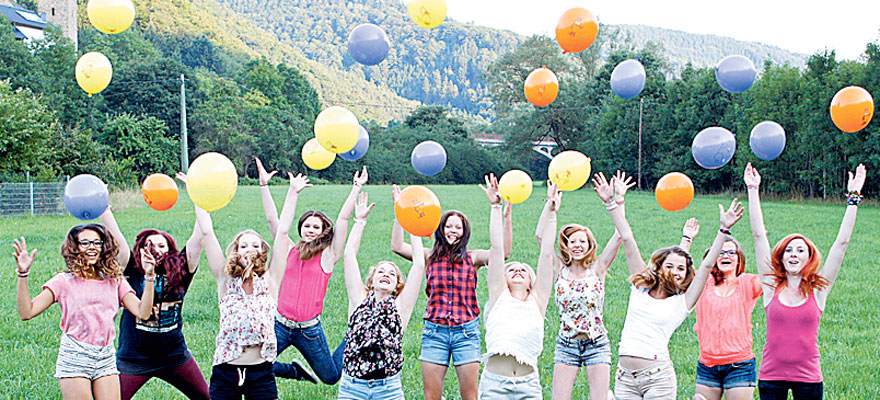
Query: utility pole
[[639, 178], [184, 148]]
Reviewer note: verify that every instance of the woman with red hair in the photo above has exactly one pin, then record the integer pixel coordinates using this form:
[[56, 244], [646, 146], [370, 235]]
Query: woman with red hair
[[795, 292]]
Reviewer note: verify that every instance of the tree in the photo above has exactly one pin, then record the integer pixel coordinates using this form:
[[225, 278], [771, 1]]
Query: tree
[[26, 126]]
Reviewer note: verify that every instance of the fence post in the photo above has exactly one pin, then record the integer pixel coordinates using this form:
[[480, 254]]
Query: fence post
[[31, 184]]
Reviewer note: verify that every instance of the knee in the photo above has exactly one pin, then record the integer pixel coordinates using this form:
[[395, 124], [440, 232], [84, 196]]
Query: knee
[[330, 378]]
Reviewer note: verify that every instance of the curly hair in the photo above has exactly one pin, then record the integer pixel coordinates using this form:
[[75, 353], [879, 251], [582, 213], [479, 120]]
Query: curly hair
[[172, 264], [810, 279], [255, 263], [307, 250], [368, 283], [107, 265], [653, 276], [717, 275], [455, 252], [565, 252]]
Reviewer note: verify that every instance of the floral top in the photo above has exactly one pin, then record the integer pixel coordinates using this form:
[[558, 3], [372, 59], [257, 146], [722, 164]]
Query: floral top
[[580, 303], [246, 320], [373, 341]]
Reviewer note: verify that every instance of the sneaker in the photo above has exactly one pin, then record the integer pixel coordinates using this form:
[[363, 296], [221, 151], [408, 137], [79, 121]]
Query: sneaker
[[304, 373]]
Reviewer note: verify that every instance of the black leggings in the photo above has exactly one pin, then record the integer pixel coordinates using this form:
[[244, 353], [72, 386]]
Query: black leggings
[[778, 390]]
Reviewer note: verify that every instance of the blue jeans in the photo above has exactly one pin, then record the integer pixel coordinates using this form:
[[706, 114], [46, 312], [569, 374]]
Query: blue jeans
[[373, 389], [312, 344], [461, 343]]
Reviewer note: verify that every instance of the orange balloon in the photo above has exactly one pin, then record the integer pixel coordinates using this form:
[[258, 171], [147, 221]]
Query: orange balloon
[[852, 108], [418, 211], [542, 87], [576, 30], [674, 191], [160, 192]]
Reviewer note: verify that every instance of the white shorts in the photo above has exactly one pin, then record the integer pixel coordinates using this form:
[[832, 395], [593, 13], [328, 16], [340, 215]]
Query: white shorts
[[83, 360], [494, 386]]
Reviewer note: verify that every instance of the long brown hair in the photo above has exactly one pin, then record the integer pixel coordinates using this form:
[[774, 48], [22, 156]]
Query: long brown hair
[[653, 276], [455, 252], [107, 266], [171, 264], [307, 250], [810, 280], [740, 260], [564, 250], [368, 283], [256, 263]]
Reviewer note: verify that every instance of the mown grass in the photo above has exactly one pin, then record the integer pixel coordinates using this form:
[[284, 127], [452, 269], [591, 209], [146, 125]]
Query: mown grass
[[848, 336]]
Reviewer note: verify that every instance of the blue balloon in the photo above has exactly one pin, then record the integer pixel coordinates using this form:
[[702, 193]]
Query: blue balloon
[[713, 147], [428, 158], [360, 148], [628, 79], [735, 74], [767, 140], [86, 197], [368, 44]]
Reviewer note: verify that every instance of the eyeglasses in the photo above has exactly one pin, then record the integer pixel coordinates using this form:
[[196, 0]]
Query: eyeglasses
[[88, 243], [728, 253]]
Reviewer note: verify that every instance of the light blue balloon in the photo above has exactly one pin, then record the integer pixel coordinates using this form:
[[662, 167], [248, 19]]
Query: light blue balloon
[[86, 197], [767, 140], [428, 158], [368, 44], [360, 148], [735, 74], [713, 147], [628, 79]]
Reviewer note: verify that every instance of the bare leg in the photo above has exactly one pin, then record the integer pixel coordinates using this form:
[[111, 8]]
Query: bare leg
[[739, 393], [704, 392], [106, 388], [599, 377], [468, 380], [432, 376], [564, 377], [75, 388]]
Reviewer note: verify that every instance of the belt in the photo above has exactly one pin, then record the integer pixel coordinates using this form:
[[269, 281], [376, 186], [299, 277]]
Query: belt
[[296, 325]]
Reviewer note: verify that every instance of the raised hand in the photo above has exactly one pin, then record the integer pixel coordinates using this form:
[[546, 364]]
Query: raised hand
[[691, 228], [855, 182], [148, 262], [298, 182], [751, 176], [362, 209], [22, 257], [732, 215], [491, 189], [360, 180], [263, 175], [602, 187], [395, 193], [554, 196], [621, 184]]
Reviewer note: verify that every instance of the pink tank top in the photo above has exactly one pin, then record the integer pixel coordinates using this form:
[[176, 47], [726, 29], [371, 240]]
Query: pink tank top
[[792, 351], [301, 296]]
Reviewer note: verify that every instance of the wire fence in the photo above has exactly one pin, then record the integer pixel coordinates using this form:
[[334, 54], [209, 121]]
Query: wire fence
[[32, 198]]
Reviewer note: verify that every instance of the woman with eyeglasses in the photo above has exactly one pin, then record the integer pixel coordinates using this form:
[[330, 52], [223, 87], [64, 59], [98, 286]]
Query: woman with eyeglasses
[[89, 293]]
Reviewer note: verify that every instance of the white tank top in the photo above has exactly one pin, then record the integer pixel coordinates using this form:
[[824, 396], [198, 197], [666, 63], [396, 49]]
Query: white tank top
[[515, 328]]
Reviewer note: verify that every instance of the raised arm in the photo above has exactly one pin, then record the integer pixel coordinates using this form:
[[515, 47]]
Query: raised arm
[[688, 233], [406, 300], [547, 259], [109, 221], [268, 204], [621, 184], [213, 251], [835, 256], [282, 243], [482, 257], [545, 213], [728, 219], [196, 241], [508, 229], [28, 308], [495, 256], [143, 307], [340, 229], [752, 179], [633, 257], [353, 282]]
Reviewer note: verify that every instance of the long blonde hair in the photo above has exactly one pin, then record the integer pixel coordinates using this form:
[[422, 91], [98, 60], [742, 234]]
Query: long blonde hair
[[565, 252], [255, 263]]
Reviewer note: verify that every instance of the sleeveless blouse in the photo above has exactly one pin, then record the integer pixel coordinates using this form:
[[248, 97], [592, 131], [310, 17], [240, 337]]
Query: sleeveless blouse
[[515, 328], [246, 320], [302, 291], [373, 341], [452, 291], [580, 303], [791, 352]]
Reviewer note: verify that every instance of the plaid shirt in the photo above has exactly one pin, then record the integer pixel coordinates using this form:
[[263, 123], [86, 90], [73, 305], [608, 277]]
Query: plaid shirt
[[452, 292]]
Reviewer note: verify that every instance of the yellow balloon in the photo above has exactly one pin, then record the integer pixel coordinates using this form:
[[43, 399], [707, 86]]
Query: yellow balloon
[[111, 16], [337, 130], [569, 170], [315, 156], [211, 181], [515, 186], [427, 13], [93, 72]]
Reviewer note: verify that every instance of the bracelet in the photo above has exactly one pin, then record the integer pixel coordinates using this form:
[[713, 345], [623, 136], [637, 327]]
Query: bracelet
[[360, 221], [357, 184], [264, 184], [724, 231], [23, 274], [853, 199], [752, 187], [150, 278], [687, 237], [496, 205], [609, 203], [611, 207]]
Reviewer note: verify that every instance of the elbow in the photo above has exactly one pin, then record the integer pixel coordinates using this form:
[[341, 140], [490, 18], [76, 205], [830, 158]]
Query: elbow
[[24, 317]]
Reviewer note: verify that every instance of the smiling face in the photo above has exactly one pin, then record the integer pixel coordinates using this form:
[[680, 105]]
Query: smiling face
[[384, 279], [675, 265], [90, 245], [156, 244], [453, 229], [728, 259], [518, 274], [795, 256], [579, 245], [311, 228]]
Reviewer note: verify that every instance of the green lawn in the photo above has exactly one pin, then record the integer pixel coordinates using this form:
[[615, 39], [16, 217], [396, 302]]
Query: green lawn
[[848, 337]]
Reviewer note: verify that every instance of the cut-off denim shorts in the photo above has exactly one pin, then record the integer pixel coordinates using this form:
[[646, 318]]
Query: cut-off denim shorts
[[726, 376], [583, 352], [389, 388], [461, 343]]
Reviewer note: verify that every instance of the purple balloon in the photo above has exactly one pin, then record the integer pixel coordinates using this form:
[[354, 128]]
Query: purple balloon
[[428, 158], [767, 140], [86, 197], [628, 79], [360, 148], [735, 74], [713, 147], [368, 44]]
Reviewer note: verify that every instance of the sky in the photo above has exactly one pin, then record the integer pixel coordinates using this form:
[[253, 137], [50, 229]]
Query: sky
[[799, 26]]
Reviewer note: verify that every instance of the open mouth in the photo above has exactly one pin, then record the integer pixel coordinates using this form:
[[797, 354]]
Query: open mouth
[[385, 280]]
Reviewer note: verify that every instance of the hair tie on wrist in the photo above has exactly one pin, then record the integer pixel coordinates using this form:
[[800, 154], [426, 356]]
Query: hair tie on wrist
[[687, 237], [753, 187], [23, 274], [264, 184], [150, 278], [724, 231]]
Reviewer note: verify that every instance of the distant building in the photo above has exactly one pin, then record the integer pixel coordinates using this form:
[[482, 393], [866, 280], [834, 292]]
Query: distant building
[[30, 25], [26, 24], [62, 14]]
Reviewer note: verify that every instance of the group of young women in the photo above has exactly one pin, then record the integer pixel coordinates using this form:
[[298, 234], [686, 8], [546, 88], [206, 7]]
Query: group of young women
[[270, 303]]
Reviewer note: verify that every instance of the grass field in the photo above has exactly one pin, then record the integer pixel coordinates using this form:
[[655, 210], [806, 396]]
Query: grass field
[[848, 336]]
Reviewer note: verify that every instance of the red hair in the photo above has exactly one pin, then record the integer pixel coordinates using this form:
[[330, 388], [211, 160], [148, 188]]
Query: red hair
[[173, 264], [810, 280]]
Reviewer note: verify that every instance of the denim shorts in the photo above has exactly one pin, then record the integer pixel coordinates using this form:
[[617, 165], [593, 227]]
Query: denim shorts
[[461, 343], [254, 382], [494, 386], [726, 376], [83, 360], [370, 389], [582, 352]]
